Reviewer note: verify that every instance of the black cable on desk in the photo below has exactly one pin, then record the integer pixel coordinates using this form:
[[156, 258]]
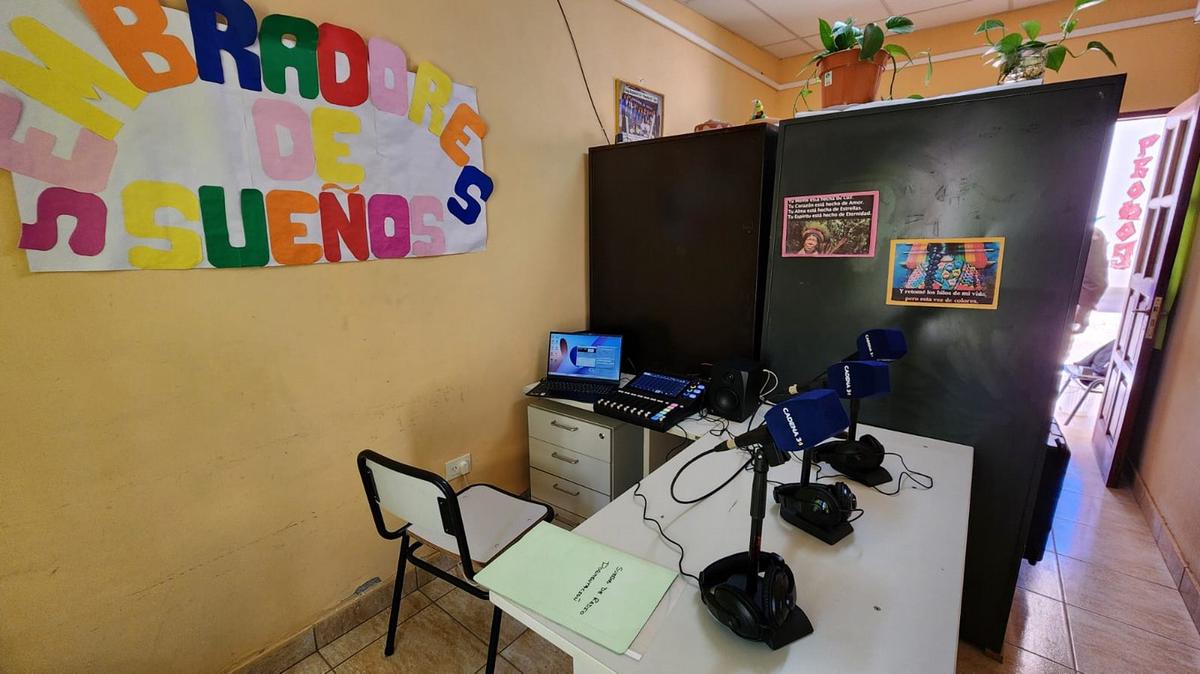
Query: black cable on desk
[[645, 506], [694, 459]]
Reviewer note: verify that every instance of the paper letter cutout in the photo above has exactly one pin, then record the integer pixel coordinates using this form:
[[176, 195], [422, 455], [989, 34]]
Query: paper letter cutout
[[453, 137], [386, 58], [221, 253], [353, 90], [87, 170], [1126, 231], [68, 80], [271, 115], [129, 43], [380, 209], [278, 57], [432, 90], [141, 199], [469, 209], [325, 123], [209, 40], [1122, 254], [281, 205], [420, 207], [91, 221], [352, 229]]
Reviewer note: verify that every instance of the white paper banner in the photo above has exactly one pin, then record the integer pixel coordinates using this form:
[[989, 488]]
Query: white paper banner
[[212, 174]]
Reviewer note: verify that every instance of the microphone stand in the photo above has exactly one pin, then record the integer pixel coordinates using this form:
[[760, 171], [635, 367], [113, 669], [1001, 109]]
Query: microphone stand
[[758, 508]]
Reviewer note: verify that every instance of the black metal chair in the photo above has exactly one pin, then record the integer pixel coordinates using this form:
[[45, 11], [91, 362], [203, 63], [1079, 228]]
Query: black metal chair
[[1088, 373], [479, 522]]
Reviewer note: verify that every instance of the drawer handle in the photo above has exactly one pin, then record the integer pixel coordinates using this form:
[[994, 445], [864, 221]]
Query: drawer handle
[[554, 422], [560, 457], [569, 493]]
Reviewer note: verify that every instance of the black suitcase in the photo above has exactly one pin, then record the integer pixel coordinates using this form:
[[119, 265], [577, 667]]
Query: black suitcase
[[1054, 471]]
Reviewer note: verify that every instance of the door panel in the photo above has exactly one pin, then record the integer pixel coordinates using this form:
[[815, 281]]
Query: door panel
[[1124, 382]]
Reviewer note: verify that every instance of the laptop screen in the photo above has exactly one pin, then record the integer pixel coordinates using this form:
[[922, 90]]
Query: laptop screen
[[584, 356]]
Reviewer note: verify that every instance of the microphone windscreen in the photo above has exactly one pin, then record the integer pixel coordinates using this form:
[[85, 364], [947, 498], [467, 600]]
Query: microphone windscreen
[[882, 344], [806, 419], [859, 378]]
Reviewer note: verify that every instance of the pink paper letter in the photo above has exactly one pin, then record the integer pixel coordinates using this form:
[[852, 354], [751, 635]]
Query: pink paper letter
[[87, 170], [91, 219], [385, 57], [269, 117], [419, 207], [380, 209]]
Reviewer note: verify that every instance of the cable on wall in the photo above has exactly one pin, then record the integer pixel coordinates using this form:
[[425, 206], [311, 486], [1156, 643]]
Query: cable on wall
[[579, 60]]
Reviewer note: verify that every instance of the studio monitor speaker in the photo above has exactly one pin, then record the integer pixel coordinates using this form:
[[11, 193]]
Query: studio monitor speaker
[[734, 387]]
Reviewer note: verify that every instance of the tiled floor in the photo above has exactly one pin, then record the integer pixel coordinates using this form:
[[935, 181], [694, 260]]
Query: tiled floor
[[1102, 600], [441, 629]]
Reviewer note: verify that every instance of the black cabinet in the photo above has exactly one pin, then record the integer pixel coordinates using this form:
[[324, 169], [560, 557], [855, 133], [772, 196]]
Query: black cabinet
[[1022, 163], [677, 231]]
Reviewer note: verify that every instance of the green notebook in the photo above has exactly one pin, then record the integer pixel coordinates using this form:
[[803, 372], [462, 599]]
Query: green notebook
[[600, 592]]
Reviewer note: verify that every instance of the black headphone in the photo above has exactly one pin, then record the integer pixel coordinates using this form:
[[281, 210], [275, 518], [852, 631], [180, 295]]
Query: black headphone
[[755, 608], [824, 505], [851, 457]]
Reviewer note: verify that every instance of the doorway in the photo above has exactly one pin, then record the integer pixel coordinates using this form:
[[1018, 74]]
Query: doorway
[[1132, 162]]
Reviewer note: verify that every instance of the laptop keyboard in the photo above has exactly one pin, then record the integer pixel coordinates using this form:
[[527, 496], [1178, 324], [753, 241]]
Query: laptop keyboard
[[576, 386]]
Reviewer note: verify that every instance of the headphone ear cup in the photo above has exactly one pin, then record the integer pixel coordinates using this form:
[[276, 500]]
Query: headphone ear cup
[[844, 498], [739, 614]]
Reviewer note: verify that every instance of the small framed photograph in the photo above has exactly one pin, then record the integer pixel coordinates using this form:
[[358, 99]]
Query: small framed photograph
[[639, 113]]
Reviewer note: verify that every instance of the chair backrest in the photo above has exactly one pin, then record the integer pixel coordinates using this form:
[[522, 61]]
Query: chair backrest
[[417, 496]]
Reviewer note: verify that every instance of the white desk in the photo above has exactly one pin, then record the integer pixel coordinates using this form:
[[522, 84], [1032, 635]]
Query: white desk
[[885, 599]]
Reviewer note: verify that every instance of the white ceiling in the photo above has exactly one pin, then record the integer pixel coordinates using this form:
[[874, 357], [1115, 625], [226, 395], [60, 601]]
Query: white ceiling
[[789, 27]]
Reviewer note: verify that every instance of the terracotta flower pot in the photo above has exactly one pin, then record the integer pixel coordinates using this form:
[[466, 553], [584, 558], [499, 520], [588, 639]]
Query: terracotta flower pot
[[845, 79]]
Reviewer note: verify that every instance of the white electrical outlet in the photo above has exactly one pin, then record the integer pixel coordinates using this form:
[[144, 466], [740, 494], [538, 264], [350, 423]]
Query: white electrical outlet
[[458, 467]]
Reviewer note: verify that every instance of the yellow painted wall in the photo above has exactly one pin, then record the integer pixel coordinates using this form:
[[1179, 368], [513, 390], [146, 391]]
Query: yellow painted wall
[[1162, 60], [177, 480]]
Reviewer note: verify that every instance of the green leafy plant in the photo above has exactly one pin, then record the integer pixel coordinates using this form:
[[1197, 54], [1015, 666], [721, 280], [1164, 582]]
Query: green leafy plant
[[845, 35], [1027, 57]]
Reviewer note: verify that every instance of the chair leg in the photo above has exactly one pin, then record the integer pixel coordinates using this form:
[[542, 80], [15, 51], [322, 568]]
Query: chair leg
[[1064, 386], [494, 642], [1082, 397], [397, 592]]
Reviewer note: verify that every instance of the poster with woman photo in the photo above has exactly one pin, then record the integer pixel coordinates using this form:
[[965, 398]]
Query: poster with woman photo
[[639, 113], [830, 225]]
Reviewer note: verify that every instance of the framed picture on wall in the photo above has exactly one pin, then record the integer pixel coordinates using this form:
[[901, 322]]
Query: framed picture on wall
[[639, 113]]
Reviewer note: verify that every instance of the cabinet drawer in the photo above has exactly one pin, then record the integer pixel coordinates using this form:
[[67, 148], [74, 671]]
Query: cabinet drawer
[[562, 493], [576, 467], [572, 433]]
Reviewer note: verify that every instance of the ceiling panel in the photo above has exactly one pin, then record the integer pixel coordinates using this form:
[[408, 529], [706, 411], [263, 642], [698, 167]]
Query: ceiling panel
[[972, 9], [790, 48], [801, 17], [743, 18], [787, 27]]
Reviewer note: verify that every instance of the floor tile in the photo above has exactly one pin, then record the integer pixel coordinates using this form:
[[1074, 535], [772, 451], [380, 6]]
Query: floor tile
[[1104, 645], [313, 664], [1119, 549], [476, 615], [1041, 578], [1140, 603], [429, 642], [502, 667], [358, 638], [1039, 625], [1101, 511], [435, 587], [532, 654], [361, 608], [971, 660]]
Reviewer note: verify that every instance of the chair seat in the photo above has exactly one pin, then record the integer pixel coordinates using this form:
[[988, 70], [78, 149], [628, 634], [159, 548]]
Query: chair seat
[[492, 519]]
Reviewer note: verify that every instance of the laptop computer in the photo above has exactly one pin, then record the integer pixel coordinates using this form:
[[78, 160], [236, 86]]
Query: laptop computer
[[582, 366]]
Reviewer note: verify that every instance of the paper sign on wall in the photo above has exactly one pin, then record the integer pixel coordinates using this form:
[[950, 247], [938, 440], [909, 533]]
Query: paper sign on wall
[[830, 225], [148, 138], [962, 273]]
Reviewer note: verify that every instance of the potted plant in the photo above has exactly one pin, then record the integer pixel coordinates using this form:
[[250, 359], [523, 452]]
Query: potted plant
[[852, 62], [1027, 58]]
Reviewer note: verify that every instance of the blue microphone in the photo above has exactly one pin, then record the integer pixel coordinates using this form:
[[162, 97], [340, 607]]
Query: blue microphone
[[797, 423], [859, 378], [883, 344]]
